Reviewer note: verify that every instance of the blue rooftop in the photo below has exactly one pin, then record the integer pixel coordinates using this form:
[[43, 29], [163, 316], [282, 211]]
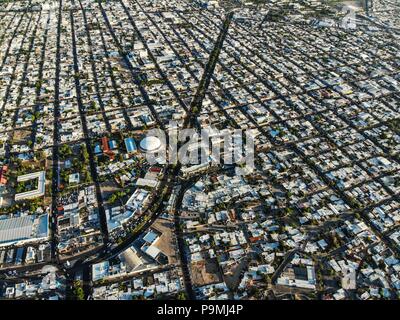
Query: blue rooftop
[[130, 144], [43, 226], [97, 149], [150, 237], [274, 133], [112, 144]]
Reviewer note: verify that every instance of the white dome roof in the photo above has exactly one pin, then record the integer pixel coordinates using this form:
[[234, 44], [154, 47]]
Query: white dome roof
[[150, 144]]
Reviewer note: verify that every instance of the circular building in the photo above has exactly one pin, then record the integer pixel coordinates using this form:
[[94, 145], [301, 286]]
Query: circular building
[[150, 144]]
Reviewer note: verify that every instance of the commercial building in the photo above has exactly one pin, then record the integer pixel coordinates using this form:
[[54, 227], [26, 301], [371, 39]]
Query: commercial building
[[130, 145], [23, 229], [38, 191]]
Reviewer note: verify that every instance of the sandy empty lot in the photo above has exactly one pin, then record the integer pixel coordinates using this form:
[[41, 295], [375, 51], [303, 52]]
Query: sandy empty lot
[[166, 243], [205, 272]]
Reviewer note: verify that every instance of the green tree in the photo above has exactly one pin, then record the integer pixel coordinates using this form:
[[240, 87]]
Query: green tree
[[181, 296], [78, 290]]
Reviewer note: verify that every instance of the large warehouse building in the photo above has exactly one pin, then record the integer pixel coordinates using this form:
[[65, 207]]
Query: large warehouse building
[[24, 229]]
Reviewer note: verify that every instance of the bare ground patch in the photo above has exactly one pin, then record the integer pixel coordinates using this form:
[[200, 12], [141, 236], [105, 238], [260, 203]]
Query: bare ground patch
[[205, 272]]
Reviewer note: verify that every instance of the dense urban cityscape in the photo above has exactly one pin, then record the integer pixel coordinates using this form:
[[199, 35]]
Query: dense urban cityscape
[[85, 214]]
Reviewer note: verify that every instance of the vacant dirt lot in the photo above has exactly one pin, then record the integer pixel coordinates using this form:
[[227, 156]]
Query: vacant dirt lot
[[205, 272], [166, 243]]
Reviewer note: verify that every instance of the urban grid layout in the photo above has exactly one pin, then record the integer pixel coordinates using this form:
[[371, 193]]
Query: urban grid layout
[[85, 214]]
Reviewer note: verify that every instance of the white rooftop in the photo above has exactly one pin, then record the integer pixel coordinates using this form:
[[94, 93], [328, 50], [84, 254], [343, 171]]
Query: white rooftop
[[150, 144]]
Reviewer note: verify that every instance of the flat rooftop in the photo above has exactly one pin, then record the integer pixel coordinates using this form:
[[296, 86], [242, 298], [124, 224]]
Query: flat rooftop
[[23, 228]]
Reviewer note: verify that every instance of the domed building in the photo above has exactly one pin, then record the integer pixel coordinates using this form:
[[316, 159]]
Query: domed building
[[150, 144]]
